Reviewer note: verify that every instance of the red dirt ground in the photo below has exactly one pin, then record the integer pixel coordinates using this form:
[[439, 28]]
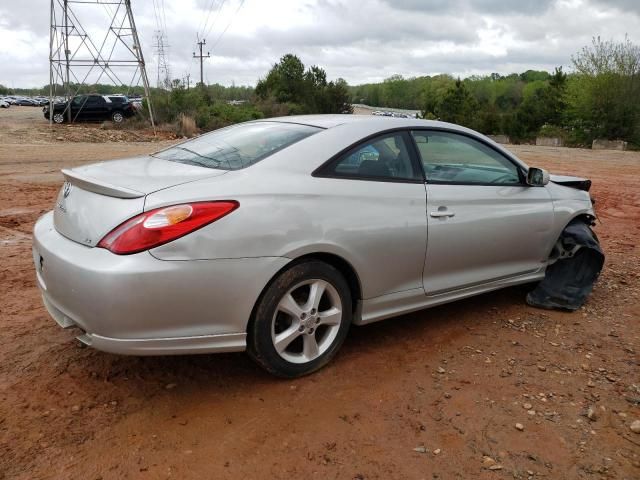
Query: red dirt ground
[[427, 395]]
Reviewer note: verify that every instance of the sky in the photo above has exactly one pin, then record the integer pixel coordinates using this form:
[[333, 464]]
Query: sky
[[359, 40]]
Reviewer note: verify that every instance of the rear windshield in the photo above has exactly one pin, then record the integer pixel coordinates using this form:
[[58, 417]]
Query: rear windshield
[[237, 146]]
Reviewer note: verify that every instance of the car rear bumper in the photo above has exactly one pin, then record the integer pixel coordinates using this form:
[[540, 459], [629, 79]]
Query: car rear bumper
[[140, 305]]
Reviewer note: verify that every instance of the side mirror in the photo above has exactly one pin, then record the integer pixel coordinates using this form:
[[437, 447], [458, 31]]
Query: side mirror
[[537, 177]]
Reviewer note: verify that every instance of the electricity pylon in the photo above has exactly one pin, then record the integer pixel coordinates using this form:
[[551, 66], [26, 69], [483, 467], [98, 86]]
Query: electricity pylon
[[164, 72], [78, 56]]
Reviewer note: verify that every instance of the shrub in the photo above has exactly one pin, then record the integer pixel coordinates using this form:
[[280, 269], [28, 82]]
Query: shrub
[[552, 131], [186, 126]]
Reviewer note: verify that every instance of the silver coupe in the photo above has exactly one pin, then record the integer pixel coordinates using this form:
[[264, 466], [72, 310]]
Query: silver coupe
[[274, 236]]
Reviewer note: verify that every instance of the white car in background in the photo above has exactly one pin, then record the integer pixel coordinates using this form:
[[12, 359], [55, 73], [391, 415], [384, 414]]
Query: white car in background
[[4, 103]]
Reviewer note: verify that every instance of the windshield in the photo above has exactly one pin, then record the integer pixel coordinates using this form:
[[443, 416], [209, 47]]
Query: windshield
[[237, 146]]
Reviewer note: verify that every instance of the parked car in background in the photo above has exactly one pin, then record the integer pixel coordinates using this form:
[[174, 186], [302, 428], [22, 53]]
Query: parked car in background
[[26, 102], [276, 235], [92, 107], [4, 103], [40, 101]]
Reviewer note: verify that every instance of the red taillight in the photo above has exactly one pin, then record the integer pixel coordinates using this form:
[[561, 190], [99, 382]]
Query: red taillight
[[162, 225]]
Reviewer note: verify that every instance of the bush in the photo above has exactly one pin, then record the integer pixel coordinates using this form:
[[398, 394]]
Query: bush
[[186, 126], [190, 110], [218, 115], [303, 91], [553, 131]]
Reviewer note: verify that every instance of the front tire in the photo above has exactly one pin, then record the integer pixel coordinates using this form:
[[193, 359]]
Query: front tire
[[301, 320], [58, 118]]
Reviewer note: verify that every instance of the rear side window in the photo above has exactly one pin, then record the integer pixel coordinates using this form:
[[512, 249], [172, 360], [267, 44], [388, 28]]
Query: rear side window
[[238, 146], [383, 158], [93, 100]]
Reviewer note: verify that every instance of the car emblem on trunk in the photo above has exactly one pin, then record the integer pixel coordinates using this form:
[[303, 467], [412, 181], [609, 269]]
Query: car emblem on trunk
[[66, 189]]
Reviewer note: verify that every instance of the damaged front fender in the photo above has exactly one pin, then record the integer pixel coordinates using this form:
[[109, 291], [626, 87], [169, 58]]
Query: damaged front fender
[[573, 182], [575, 264]]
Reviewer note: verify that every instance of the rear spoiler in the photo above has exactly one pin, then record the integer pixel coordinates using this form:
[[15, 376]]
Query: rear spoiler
[[97, 186]]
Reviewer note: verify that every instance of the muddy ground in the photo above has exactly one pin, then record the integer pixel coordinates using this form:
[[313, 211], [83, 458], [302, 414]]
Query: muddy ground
[[435, 394]]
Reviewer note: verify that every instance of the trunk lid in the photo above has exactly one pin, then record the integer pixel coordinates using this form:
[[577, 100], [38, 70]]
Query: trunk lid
[[97, 198]]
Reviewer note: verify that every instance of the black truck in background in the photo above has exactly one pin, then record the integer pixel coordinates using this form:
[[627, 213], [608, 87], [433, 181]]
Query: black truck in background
[[92, 108]]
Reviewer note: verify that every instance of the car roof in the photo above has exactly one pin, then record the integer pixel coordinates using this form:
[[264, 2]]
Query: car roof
[[355, 127], [376, 122]]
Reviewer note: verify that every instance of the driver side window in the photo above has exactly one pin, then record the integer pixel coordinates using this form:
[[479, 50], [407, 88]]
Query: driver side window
[[457, 159]]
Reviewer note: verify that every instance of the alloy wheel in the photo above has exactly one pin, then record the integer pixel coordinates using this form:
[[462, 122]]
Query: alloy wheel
[[306, 321]]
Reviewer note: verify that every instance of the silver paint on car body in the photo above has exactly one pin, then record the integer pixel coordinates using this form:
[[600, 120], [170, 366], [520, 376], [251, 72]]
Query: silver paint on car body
[[196, 293], [140, 297], [480, 244]]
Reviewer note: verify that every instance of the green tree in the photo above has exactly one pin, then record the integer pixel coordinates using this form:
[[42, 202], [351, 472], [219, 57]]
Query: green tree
[[604, 95], [543, 104], [337, 99], [458, 106], [285, 81], [303, 91]]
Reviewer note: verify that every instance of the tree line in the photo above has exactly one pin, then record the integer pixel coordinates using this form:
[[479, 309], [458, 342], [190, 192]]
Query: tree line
[[599, 98]]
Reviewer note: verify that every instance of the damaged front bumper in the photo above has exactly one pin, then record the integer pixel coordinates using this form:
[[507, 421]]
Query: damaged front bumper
[[576, 263]]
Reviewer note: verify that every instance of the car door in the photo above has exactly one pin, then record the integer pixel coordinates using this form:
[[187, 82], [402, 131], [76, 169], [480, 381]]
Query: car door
[[78, 106], [484, 223], [94, 108], [374, 202]]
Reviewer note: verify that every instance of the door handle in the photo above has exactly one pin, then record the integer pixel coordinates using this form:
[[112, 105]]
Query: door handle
[[442, 213]]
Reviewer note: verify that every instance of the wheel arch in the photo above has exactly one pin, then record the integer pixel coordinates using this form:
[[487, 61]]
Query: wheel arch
[[343, 266], [339, 263], [587, 216]]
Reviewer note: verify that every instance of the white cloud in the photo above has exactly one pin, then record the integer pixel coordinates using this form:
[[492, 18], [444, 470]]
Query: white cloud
[[360, 41]]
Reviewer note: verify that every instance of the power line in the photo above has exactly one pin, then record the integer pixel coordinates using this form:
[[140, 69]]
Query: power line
[[228, 25], [164, 17], [215, 20], [204, 22], [156, 16]]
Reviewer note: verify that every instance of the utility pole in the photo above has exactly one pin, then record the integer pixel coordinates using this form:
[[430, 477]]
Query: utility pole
[[201, 57], [188, 80]]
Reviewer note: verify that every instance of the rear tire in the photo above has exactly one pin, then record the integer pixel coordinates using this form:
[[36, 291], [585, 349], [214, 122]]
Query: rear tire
[[301, 320], [58, 118]]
